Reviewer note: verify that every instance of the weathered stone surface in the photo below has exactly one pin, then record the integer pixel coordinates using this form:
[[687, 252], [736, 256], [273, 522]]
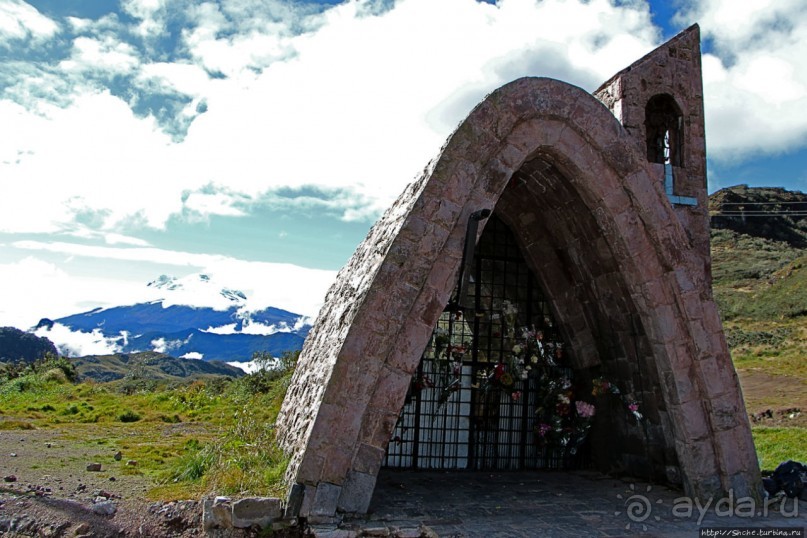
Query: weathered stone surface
[[326, 499], [217, 513], [260, 511], [295, 501], [328, 531], [357, 493], [105, 508], [624, 268]]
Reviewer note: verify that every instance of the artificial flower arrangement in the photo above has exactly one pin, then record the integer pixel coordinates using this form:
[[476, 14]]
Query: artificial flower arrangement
[[562, 418]]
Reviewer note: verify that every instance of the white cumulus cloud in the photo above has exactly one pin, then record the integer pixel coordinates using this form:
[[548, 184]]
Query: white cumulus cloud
[[80, 343], [755, 79], [19, 20], [354, 101]]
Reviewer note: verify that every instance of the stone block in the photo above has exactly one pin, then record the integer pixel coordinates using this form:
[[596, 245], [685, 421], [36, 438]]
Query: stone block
[[410, 531], [697, 458], [260, 511], [693, 420], [336, 463], [745, 485], [326, 499], [216, 513], [368, 459], [357, 493], [406, 356], [309, 494], [390, 390], [294, 502], [331, 531], [725, 411]]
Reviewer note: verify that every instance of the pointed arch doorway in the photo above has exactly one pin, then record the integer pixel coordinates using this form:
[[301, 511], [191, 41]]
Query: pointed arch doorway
[[493, 390]]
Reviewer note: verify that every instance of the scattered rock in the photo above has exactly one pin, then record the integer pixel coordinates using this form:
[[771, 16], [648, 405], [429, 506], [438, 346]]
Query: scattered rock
[[105, 508], [376, 531], [84, 528], [40, 491], [94, 467], [118, 456], [132, 463], [10, 478], [112, 478], [217, 513], [13, 454]]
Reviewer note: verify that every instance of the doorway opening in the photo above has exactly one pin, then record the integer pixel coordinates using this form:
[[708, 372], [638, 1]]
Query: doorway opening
[[494, 390]]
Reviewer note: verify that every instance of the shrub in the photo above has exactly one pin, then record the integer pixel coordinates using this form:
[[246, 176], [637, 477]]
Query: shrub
[[270, 371], [128, 416], [55, 375], [71, 409]]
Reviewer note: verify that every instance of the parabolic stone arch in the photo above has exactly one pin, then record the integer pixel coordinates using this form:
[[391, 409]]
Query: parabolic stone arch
[[625, 270]]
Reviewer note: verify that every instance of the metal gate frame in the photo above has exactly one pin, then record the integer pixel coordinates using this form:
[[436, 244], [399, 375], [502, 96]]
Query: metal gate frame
[[462, 410]]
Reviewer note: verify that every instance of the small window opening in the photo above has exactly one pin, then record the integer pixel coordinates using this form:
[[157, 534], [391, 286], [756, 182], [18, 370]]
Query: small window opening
[[663, 125]]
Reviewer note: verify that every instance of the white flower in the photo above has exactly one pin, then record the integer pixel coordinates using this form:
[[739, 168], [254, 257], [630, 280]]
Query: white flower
[[534, 359], [516, 349]]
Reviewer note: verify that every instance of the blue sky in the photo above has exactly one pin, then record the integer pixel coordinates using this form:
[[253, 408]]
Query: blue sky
[[258, 140]]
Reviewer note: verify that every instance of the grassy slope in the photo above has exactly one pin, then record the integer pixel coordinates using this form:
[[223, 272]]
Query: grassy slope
[[760, 284], [202, 436]]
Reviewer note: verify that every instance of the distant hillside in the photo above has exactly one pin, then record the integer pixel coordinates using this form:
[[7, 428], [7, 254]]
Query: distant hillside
[[149, 365], [759, 265], [759, 252], [17, 345], [769, 213]]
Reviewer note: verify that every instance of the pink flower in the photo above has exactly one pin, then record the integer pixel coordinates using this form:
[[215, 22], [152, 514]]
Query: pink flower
[[516, 396], [584, 409], [633, 406], [543, 429]]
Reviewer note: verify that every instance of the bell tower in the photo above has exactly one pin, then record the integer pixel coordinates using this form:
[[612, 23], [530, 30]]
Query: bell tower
[[659, 101]]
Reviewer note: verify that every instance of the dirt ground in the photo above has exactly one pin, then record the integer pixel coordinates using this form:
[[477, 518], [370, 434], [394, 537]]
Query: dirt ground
[[46, 490], [774, 400]]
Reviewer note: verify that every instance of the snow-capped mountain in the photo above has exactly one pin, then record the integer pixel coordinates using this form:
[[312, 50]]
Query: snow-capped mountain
[[191, 317]]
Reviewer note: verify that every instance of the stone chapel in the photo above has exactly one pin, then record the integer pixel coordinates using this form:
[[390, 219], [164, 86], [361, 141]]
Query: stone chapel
[[540, 298]]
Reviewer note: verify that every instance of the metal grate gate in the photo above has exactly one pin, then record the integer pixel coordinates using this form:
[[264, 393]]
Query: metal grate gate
[[475, 402]]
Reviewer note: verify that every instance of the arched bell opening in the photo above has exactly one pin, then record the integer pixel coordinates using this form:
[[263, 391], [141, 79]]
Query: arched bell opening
[[664, 130]]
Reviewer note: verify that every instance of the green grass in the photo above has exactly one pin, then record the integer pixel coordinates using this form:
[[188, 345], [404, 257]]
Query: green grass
[[190, 439], [775, 347], [760, 286], [776, 445]]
